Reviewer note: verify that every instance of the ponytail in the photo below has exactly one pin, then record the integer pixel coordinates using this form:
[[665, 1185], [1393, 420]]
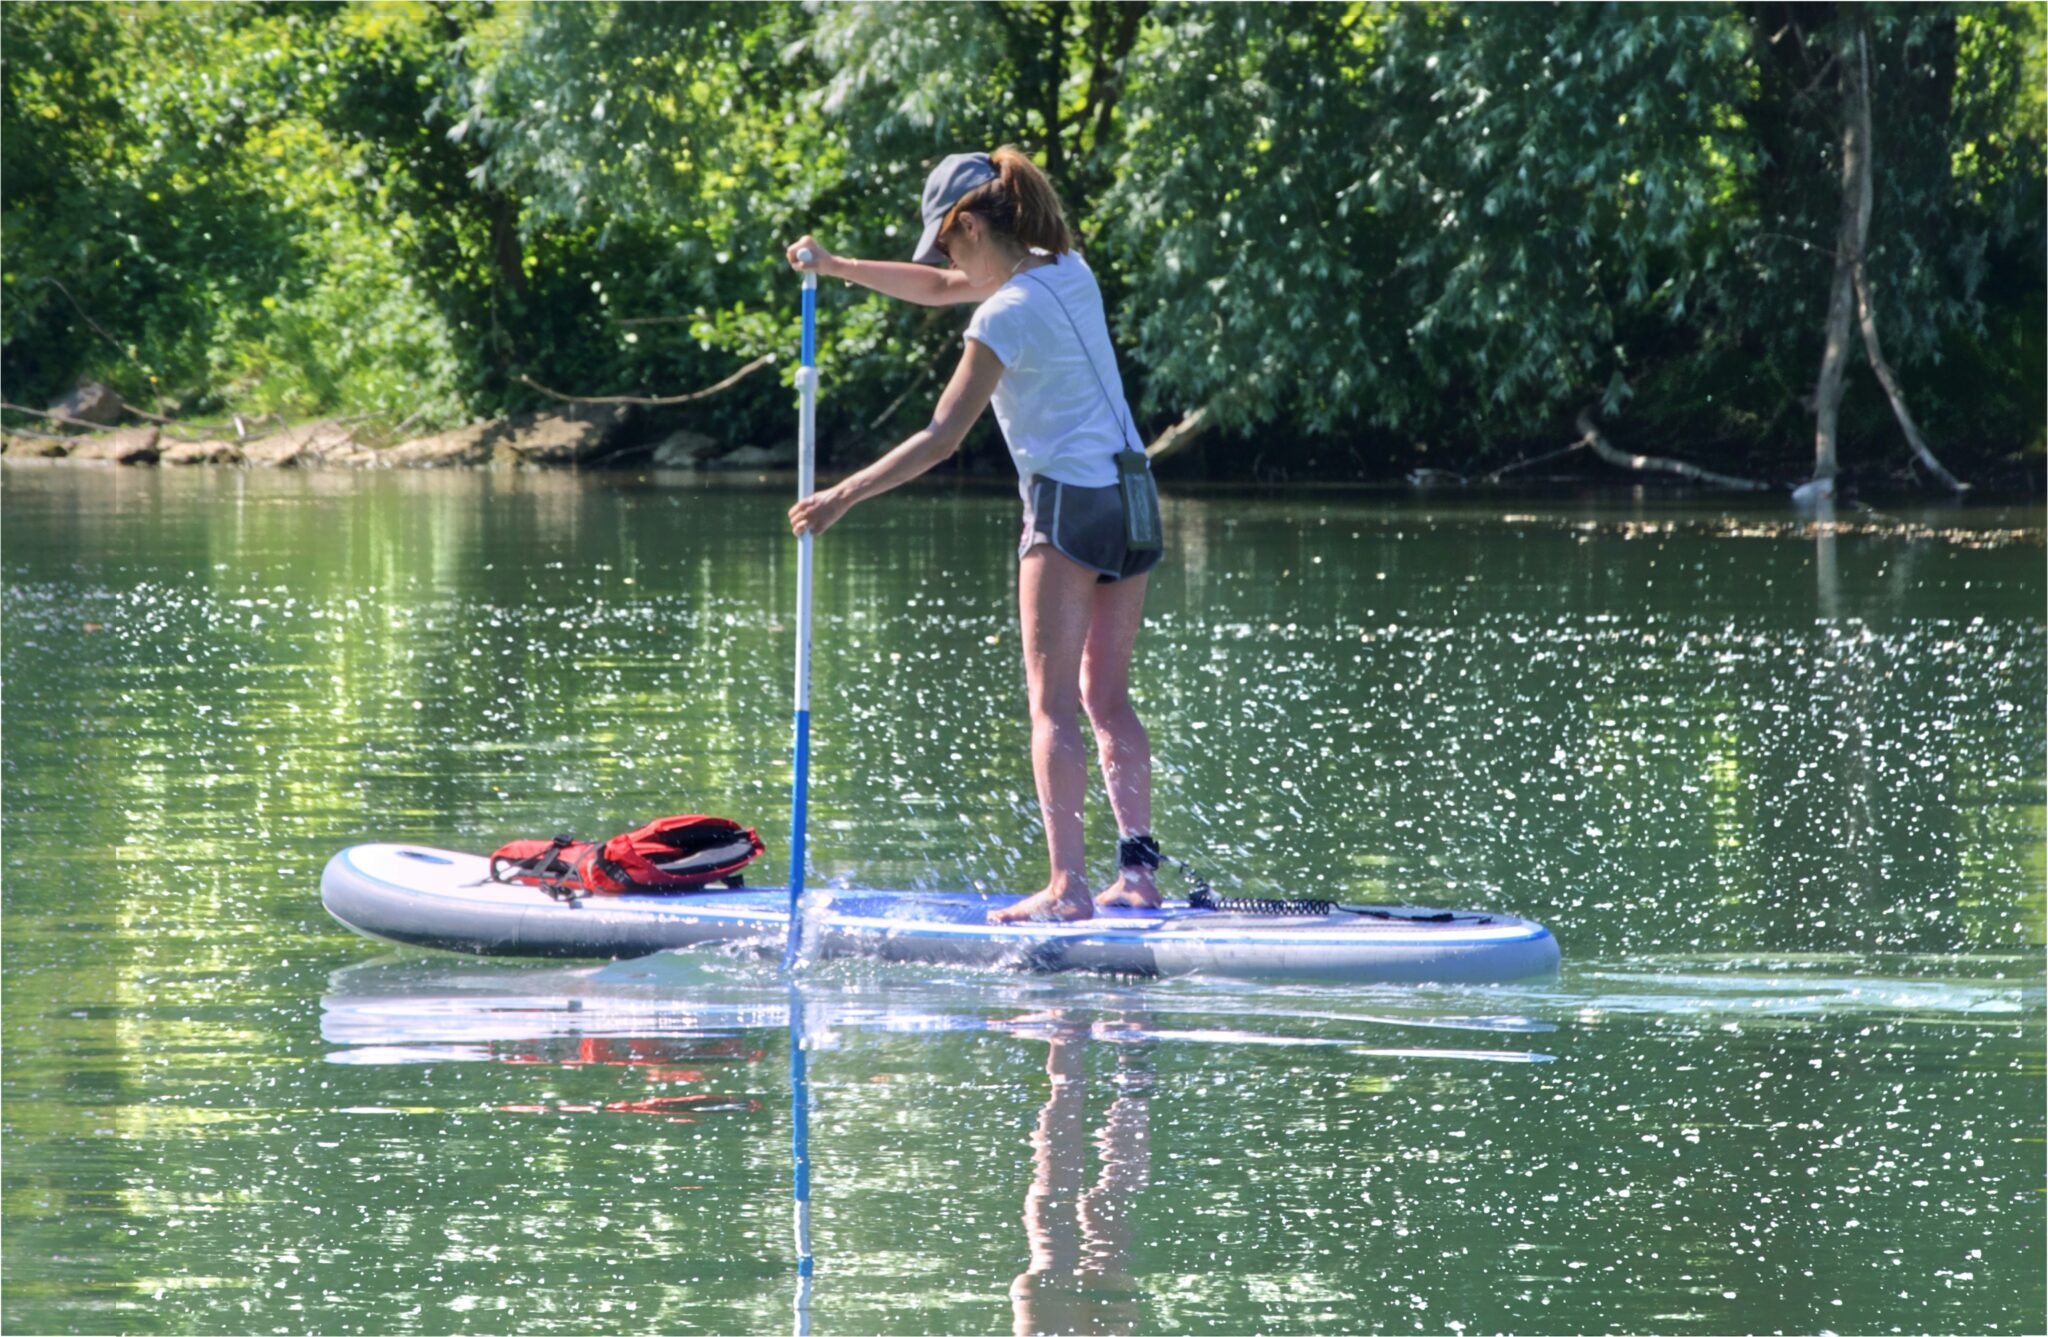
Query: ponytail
[[1019, 203]]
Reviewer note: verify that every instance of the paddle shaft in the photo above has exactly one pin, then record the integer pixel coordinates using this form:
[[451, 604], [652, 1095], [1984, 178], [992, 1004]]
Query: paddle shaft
[[806, 451], [799, 1078]]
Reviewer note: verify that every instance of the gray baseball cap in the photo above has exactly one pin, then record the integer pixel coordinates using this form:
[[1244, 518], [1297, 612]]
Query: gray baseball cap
[[955, 175]]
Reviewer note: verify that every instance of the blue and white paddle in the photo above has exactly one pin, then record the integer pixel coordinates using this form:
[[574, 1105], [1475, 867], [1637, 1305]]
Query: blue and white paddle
[[799, 1080], [806, 449]]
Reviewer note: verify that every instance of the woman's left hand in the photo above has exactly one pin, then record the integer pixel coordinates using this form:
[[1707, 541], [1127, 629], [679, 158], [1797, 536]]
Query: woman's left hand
[[818, 512]]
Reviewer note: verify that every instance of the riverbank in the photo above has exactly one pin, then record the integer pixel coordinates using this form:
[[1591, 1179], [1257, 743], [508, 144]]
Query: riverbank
[[576, 437], [610, 443]]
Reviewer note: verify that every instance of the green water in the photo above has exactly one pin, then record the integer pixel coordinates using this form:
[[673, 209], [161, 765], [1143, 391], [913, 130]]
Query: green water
[[1777, 789]]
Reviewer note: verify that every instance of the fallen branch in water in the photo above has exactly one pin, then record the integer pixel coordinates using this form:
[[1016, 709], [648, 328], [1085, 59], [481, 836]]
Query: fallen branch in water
[[654, 401], [1590, 436]]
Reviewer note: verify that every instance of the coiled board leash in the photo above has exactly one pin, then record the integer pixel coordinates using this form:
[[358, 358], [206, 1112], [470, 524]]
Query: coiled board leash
[[1144, 851]]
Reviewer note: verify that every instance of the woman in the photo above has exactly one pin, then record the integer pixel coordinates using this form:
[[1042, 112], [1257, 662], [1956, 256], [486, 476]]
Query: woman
[[1038, 347]]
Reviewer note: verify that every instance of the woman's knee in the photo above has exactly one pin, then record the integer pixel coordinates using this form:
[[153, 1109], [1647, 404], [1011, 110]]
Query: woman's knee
[[1053, 707], [1107, 701]]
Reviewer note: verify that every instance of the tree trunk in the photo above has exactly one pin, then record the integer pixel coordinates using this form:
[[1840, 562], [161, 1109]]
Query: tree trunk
[[1113, 28], [1866, 308], [1827, 394]]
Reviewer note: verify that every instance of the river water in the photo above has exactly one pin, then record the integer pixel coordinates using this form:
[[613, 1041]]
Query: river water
[[1776, 787]]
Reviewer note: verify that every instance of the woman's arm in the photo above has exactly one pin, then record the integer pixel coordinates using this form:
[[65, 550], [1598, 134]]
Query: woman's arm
[[908, 283], [966, 395]]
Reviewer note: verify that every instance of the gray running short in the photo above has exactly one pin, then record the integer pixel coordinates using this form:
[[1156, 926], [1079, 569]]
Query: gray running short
[[1085, 524]]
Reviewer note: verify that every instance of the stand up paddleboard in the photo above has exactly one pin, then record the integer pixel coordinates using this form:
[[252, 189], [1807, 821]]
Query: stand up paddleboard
[[425, 897]]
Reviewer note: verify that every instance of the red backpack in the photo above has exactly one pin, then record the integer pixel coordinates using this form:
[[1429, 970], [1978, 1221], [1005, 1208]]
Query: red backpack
[[685, 853]]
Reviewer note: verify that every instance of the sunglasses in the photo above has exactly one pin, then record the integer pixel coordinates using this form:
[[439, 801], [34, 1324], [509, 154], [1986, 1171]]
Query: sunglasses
[[939, 242]]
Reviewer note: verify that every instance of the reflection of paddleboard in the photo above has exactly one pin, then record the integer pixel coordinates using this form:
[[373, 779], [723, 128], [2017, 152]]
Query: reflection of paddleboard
[[439, 898]]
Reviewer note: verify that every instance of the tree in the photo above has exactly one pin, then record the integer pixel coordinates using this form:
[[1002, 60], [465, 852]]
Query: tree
[[1339, 231], [1915, 114], [1428, 220]]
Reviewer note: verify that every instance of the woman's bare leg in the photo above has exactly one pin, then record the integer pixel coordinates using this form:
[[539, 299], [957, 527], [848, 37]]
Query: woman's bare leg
[[1054, 597], [1120, 741]]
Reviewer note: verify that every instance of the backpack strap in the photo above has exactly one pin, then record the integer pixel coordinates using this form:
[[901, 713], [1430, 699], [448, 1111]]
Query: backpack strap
[[552, 873], [545, 862]]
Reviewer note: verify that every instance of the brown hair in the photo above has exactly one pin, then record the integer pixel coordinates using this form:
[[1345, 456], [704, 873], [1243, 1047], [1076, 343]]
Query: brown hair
[[1019, 203]]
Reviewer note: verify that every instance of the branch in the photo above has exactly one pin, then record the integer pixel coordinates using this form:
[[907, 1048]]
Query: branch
[[1867, 318], [1179, 436], [86, 316], [91, 428], [1495, 476], [660, 401], [38, 413], [1590, 436], [897, 403]]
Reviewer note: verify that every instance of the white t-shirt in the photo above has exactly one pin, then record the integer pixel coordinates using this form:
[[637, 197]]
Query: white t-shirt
[[1053, 411]]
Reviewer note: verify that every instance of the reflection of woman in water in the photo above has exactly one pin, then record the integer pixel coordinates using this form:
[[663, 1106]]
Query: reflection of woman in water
[[1079, 1280]]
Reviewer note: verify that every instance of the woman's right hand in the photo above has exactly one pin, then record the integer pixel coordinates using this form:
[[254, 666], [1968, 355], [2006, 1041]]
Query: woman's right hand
[[816, 513], [820, 257]]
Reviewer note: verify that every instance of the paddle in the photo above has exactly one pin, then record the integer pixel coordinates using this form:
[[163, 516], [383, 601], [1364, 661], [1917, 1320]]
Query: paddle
[[799, 1080], [806, 445]]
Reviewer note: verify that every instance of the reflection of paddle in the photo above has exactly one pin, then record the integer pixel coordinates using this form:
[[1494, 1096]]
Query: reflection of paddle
[[799, 1080]]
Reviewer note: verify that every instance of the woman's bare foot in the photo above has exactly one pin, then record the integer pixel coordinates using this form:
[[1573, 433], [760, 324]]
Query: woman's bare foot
[[1064, 900], [1133, 887]]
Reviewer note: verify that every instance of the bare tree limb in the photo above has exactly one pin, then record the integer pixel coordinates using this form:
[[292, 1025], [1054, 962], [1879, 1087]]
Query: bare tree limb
[[407, 421], [91, 428], [658, 401], [897, 403], [122, 348], [39, 413], [1590, 436], [1179, 436], [1495, 475]]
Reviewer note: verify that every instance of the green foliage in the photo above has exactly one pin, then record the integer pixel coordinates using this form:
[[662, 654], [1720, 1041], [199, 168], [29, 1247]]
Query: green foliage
[[1425, 220], [1350, 224], [180, 185]]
